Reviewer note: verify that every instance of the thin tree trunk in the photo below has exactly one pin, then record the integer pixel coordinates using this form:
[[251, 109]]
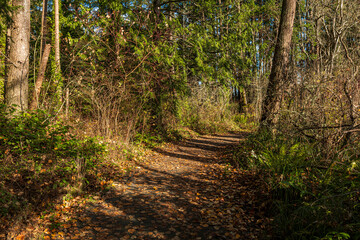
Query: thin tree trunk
[[40, 78], [7, 54], [57, 49], [43, 29], [18, 48], [67, 103], [278, 75], [57, 35]]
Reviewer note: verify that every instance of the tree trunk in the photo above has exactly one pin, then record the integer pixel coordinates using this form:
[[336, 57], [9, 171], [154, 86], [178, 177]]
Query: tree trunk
[[57, 35], [7, 54], [278, 75], [18, 49], [57, 50], [67, 103], [40, 78], [43, 29]]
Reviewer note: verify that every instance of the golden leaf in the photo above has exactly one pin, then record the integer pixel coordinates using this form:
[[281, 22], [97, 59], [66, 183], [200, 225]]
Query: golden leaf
[[67, 225], [20, 237]]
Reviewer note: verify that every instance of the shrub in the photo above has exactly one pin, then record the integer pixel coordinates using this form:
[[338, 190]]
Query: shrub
[[313, 197], [207, 110], [39, 160]]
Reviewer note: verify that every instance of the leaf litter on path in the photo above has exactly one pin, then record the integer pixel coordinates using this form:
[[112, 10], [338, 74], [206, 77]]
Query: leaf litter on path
[[185, 190]]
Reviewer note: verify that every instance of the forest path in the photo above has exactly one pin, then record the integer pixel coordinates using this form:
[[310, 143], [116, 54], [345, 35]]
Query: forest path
[[181, 191]]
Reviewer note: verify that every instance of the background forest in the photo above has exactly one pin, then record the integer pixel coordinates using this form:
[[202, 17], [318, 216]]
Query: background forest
[[101, 79]]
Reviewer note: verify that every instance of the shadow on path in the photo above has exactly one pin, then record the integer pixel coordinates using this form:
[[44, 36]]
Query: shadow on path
[[179, 192]]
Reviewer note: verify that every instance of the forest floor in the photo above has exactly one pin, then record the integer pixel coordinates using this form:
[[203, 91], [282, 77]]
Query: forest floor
[[185, 190]]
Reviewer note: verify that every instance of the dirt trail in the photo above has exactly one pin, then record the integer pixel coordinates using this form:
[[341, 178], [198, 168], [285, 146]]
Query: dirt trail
[[181, 191]]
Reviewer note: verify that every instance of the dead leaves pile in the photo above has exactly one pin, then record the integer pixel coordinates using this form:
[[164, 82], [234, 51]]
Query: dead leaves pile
[[238, 203]]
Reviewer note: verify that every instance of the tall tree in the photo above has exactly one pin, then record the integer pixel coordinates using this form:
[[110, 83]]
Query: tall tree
[[57, 48], [278, 75], [43, 28], [18, 48]]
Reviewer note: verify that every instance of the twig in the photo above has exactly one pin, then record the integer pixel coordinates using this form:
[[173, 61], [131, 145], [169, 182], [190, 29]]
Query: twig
[[334, 196]]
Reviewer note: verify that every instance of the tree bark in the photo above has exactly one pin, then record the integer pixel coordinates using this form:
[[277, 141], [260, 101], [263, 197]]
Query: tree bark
[[40, 78], [18, 49], [57, 35], [278, 75], [57, 50], [43, 29], [7, 54]]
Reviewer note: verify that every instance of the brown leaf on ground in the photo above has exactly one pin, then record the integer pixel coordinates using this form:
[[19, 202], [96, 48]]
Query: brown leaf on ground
[[185, 190]]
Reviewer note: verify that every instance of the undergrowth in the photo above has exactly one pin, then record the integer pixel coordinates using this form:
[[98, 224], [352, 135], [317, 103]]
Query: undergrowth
[[40, 161], [314, 196], [209, 110]]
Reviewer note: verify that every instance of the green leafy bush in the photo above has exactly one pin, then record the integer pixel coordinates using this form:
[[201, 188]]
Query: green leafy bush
[[207, 110], [40, 159], [314, 196], [148, 139]]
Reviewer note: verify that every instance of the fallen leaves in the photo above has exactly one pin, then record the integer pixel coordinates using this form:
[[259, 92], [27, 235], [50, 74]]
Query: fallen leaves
[[20, 237], [179, 193]]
